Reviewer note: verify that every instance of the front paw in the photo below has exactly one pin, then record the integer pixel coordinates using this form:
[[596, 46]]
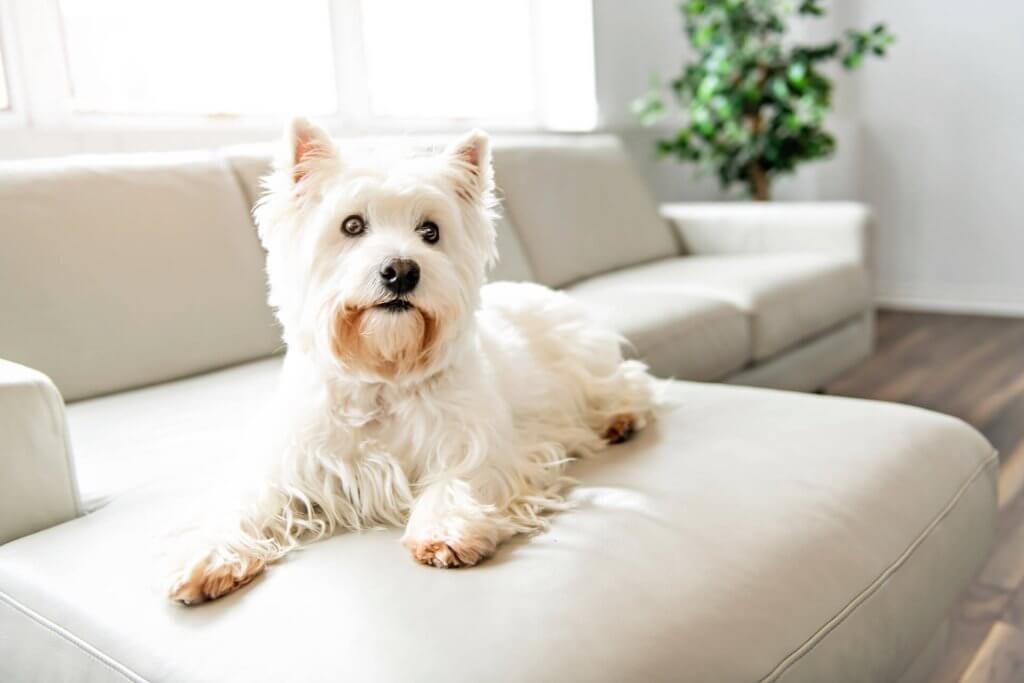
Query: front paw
[[212, 577], [448, 553]]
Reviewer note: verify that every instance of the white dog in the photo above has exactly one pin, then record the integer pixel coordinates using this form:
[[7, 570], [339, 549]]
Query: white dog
[[412, 394]]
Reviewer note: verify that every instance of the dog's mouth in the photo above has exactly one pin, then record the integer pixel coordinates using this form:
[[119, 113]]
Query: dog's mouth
[[395, 305]]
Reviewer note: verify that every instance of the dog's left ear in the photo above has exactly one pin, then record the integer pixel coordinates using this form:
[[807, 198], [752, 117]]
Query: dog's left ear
[[470, 158]]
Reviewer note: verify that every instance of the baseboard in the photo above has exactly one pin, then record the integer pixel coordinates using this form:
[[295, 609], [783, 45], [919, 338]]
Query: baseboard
[[951, 305]]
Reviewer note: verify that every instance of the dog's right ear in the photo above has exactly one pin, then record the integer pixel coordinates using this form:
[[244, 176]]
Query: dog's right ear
[[306, 150]]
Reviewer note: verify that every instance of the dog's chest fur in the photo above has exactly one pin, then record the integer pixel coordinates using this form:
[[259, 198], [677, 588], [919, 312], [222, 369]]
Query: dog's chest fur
[[410, 425]]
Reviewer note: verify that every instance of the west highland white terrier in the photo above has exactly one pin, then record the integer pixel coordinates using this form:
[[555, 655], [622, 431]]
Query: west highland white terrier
[[412, 394]]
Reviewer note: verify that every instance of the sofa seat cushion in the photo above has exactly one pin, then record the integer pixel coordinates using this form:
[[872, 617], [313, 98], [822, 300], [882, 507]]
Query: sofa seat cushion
[[747, 535], [788, 297], [678, 336], [123, 441]]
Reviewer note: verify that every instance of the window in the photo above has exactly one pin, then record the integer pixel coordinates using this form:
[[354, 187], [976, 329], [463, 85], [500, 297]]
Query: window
[[199, 56], [365, 63], [471, 60]]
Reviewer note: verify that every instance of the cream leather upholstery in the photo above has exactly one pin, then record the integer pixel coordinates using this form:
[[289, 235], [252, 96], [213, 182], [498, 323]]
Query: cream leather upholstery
[[676, 334], [809, 366], [749, 535], [786, 297], [37, 477], [117, 266], [836, 228], [580, 209], [185, 425]]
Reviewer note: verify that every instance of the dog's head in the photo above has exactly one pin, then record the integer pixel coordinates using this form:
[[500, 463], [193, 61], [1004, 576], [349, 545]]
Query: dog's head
[[374, 268]]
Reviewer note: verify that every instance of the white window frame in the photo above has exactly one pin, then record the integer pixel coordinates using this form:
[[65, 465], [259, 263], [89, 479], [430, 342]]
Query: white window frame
[[41, 96], [14, 115]]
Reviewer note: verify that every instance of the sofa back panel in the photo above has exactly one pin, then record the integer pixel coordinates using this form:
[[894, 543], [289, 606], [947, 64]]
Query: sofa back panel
[[580, 207], [251, 162], [512, 261], [121, 271]]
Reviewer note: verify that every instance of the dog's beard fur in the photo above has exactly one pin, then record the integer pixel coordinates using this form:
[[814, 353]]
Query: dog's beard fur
[[388, 344]]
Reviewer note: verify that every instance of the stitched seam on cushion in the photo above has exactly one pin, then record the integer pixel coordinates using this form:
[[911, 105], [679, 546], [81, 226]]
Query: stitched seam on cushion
[[851, 607], [68, 637]]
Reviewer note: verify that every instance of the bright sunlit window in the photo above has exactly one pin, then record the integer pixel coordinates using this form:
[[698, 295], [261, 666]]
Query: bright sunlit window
[[449, 59], [199, 56], [367, 64], [481, 59]]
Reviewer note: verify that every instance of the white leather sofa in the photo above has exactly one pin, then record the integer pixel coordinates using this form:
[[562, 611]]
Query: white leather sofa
[[750, 534]]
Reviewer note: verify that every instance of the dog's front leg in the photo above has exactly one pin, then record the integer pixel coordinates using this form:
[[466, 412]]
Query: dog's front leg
[[230, 558], [455, 523]]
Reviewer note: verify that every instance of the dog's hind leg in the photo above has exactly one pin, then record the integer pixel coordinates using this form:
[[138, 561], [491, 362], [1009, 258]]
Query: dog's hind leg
[[622, 402]]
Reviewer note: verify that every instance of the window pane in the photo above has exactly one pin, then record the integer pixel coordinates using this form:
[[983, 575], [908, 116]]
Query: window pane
[[449, 58], [200, 56], [565, 40]]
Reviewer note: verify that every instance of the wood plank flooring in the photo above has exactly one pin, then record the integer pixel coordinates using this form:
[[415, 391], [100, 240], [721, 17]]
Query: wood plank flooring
[[971, 367]]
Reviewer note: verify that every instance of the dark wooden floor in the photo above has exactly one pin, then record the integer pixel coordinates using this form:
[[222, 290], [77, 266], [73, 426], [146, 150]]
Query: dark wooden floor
[[971, 367]]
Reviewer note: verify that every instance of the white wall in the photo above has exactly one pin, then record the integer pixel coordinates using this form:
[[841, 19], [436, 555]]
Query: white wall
[[932, 137], [942, 129]]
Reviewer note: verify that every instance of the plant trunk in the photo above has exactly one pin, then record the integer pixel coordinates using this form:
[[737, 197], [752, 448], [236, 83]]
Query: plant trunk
[[760, 183]]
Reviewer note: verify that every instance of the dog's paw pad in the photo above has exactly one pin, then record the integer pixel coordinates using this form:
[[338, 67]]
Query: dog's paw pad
[[437, 554], [447, 554], [204, 581], [622, 428]]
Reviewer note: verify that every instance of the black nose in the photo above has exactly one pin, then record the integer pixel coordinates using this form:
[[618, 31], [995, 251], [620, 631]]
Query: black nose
[[400, 275]]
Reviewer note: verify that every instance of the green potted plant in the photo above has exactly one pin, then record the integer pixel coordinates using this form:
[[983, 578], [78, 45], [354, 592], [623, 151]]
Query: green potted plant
[[754, 106]]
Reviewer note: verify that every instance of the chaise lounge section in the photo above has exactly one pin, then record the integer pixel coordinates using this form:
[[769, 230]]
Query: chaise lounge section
[[750, 534]]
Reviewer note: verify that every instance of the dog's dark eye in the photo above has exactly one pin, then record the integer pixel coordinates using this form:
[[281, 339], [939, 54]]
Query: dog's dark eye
[[353, 225], [429, 232]]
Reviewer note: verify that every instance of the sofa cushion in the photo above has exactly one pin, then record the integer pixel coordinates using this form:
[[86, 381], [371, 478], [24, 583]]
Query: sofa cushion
[[118, 264], [788, 297], [249, 163], [126, 440], [512, 262], [580, 207], [816, 362], [677, 335], [252, 162], [747, 535]]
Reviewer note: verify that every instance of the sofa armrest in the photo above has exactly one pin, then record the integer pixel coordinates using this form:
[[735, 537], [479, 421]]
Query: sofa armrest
[[37, 480], [840, 228]]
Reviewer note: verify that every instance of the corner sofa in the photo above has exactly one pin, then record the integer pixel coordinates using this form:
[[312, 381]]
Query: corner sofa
[[750, 534]]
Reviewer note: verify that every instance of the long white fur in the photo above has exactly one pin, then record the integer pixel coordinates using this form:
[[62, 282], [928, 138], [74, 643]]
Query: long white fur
[[465, 447]]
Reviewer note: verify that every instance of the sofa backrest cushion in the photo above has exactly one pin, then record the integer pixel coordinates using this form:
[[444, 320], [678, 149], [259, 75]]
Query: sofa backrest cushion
[[251, 162], [121, 271], [580, 206], [512, 261]]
